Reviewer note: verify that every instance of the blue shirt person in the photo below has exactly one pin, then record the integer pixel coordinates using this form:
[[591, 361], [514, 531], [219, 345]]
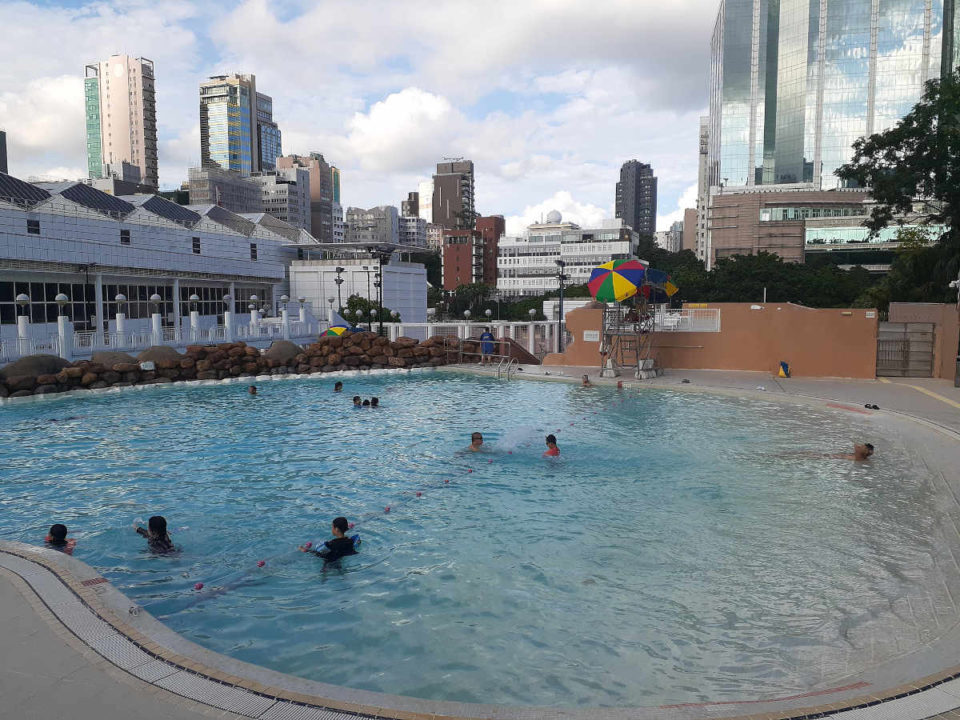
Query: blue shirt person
[[486, 344]]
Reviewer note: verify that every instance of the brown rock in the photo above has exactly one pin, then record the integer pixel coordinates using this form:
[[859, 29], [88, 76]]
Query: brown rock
[[73, 372], [197, 350], [125, 367], [379, 359], [251, 352], [207, 375], [396, 362], [172, 373], [47, 379], [110, 377], [163, 380], [235, 352], [188, 362], [335, 342], [47, 389], [303, 368], [389, 351], [159, 353], [334, 359], [223, 365], [21, 393], [404, 342], [148, 376], [130, 377], [236, 370], [108, 358], [3, 391], [203, 365], [351, 360], [16, 383], [250, 367], [167, 364], [355, 350], [317, 361], [88, 379], [329, 368], [405, 352], [188, 373], [99, 385]]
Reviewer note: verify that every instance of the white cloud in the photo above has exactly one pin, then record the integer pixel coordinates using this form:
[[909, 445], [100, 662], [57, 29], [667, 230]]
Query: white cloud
[[687, 200], [583, 214]]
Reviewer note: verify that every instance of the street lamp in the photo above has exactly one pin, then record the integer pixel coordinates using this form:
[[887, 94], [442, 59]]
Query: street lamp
[[330, 315], [61, 301], [489, 313], [561, 277], [532, 313], [23, 300], [339, 281], [373, 314], [194, 299], [466, 315]]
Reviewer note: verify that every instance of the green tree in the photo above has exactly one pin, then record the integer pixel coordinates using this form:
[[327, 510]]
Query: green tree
[[434, 265], [358, 303]]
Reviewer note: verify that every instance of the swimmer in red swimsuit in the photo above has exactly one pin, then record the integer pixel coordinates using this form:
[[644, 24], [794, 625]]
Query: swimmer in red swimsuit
[[552, 449]]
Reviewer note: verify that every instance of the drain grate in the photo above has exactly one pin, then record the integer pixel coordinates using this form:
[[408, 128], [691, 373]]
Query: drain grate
[[289, 711], [222, 696]]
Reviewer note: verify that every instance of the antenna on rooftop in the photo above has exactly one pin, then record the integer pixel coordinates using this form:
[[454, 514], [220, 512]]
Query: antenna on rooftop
[[453, 159]]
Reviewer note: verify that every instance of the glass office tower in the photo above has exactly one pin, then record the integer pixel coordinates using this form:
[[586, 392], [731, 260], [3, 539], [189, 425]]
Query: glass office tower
[[795, 82], [237, 131]]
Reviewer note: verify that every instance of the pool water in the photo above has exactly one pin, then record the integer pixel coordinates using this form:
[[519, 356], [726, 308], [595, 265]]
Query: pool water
[[683, 547]]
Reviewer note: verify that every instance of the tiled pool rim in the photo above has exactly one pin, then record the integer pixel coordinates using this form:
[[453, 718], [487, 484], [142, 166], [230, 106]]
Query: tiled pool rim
[[105, 621]]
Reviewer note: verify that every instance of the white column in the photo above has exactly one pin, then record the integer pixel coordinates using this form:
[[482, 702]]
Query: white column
[[121, 330], [510, 333], [156, 321], [98, 299], [23, 335], [194, 325], [227, 326], [65, 331], [254, 321], [303, 314], [531, 337], [176, 306], [285, 322]]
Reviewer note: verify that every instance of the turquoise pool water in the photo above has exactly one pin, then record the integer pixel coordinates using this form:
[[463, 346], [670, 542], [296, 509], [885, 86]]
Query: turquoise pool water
[[683, 548]]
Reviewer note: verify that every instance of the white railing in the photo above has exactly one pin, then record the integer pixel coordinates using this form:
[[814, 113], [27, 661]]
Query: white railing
[[688, 320]]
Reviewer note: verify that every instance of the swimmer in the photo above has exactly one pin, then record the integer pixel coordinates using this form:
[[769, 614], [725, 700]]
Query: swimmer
[[337, 548], [252, 389], [476, 442], [552, 449], [586, 381], [156, 534], [338, 386], [860, 453], [619, 384], [357, 402], [366, 403], [374, 402], [57, 539]]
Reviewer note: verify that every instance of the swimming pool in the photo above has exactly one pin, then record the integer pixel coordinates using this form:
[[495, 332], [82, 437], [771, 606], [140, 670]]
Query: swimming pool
[[683, 547]]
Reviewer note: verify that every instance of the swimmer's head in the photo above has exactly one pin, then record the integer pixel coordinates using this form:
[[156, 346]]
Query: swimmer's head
[[157, 525], [551, 439], [374, 402], [356, 400], [252, 390], [57, 534], [476, 439], [338, 386], [340, 524], [868, 448], [366, 403]]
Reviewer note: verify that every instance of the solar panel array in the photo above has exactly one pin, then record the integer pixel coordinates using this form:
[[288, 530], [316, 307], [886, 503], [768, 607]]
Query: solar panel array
[[230, 220], [171, 211], [96, 200], [19, 192]]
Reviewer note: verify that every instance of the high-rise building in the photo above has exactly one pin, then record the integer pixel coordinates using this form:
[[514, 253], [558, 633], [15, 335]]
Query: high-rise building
[[492, 228], [237, 131], [377, 225], [703, 191], [121, 113], [285, 194], [425, 201], [795, 82], [213, 186], [435, 237], [321, 191], [462, 258], [339, 226], [413, 231], [335, 180], [453, 195], [636, 200], [3, 152], [689, 241], [411, 206]]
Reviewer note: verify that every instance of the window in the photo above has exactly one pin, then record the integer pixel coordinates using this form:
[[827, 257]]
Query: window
[[253, 251], [196, 246], [299, 253], [124, 237], [33, 227]]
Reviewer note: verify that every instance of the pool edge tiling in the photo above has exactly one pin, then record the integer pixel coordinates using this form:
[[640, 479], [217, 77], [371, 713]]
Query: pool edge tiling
[[109, 624]]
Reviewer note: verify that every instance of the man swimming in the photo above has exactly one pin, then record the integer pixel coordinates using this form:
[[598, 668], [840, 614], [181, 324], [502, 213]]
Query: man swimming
[[476, 442], [861, 452]]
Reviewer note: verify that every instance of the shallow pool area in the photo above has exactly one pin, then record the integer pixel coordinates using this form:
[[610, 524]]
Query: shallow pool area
[[684, 547]]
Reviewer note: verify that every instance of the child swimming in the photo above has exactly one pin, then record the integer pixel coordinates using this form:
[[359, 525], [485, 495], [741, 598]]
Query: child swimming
[[156, 534], [339, 547], [57, 539], [552, 449]]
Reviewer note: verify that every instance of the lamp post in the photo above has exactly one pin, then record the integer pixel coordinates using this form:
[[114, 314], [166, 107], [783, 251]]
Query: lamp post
[[63, 327], [330, 314], [285, 316], [339, 281], [373, 314], [303, 309], [156, 319], [194, 317], [561, 277], [227, 317], [378, 285]]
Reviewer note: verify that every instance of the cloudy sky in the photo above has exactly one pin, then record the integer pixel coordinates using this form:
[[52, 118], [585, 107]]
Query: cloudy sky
[[547, 97]]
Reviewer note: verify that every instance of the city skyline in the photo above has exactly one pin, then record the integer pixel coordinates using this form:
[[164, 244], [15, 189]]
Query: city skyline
[[546, 129]]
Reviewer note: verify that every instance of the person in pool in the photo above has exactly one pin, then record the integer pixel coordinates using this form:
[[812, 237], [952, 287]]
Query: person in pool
[[585, 381], [861, 452], [357, 402], [476, 443], [57, 539], [374, 402], [552, 449], [333, 550], [338, 386], [252, 390], [156, 534]]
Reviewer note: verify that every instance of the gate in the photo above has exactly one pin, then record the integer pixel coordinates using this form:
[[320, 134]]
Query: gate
[[905, 349]]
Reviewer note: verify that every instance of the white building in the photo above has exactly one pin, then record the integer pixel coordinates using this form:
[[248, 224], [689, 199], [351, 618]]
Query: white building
[[670, 240], [413, 231], [285, 194], [72, 239], [404, 285], [425, 190], [527, 265]]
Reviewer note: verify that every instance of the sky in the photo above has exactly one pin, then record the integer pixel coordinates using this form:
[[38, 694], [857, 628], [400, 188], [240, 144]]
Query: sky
[[547, 97]]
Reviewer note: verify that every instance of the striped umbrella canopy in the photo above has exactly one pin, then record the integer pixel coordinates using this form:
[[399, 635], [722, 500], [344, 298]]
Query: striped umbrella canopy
[[337, 330], [616, 280]]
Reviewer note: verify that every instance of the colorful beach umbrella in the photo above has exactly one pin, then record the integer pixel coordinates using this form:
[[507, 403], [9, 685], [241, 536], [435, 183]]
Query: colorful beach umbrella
[[337, 330], [616, 280]]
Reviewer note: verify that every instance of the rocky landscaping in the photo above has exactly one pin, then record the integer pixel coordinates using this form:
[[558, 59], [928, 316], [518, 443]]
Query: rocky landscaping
[[43, 374]]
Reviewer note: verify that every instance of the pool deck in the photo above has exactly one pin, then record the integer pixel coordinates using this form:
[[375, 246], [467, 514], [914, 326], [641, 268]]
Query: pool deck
[[72, 645]]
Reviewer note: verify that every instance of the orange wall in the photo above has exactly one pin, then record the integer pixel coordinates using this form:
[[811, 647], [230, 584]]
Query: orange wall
[[947, 320], [816, 343]]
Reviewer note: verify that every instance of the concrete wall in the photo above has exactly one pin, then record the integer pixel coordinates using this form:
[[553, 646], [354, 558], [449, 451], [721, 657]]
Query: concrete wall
[[947, 320], [816, 343]]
